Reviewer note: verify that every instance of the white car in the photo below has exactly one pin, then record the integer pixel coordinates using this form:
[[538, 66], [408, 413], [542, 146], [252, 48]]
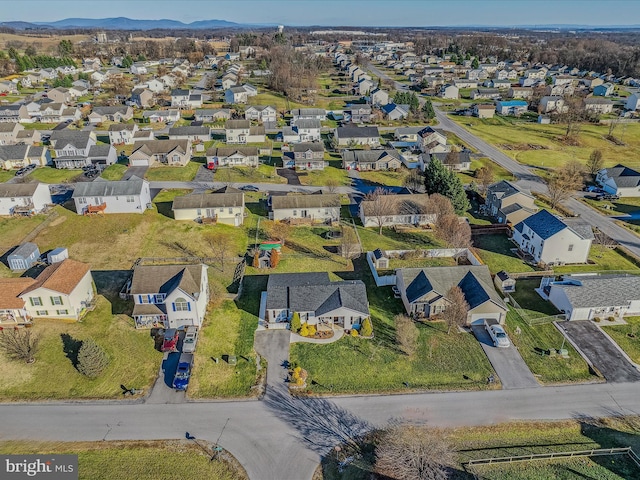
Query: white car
[[499, 336], [190, 340]]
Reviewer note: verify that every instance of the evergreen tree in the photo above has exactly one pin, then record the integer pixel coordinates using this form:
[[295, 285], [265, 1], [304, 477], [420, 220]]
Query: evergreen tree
[[296, 325], [127, 61], [367, 329], [475, 63], [439, 179], [92, 359], [427, 110]]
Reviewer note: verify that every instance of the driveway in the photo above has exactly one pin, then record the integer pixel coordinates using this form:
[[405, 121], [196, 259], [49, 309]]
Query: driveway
[[600, 351], [137, 171], [507, 362], [290, 175], [273, 345], [203, 175], [162, 391]]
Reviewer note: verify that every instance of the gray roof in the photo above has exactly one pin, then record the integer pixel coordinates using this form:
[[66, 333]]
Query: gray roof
[[399, 204], [11, 190], [233, 124], [308, 123], [209, 200], [104, 188], [9, 127], [503, 189], [110, 110], [357, 132], [304, 146], [13, 152], [189, 131], [325, 200], [213, 111], [118, 127], [228, 151], [179, 92], [369, 156], [408, 130], [100, 150], [166, 278], [463, 157], [624, 176], [579, 226], [300, 292], [601, 290], [308, 112], [25, 250], [152, 147], [77, 138]]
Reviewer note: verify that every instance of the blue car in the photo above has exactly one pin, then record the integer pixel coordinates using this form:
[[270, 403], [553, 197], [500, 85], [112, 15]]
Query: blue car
[[183, 372]]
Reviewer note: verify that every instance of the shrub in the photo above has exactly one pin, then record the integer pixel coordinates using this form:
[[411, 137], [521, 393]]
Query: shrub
[[19, 344], [304, 330], [312, 330], [295, 322], [597, 319], [354, 332], [299, 376], [611, 319], [367, 328], [275, 258], [92, 359]]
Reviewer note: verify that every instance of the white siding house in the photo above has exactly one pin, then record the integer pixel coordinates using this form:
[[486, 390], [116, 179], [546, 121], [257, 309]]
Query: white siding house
[[23, 198], [124, 196]]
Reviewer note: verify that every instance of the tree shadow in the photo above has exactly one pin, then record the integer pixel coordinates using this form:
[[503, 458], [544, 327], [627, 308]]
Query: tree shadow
[[71, 347], [108, 284], [164, 208]]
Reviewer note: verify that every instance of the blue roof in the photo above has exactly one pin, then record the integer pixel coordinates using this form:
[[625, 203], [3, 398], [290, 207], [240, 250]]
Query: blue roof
[[513, 103], [419, 287], [388, 108], [544, 224], [474, 293]]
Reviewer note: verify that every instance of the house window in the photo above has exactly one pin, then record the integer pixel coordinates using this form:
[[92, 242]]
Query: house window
[[62, 312], [230, 209], [295, 213], [131, 199], [36, 301], [181, 305], [42, 312], [571, 248], [56, 300], [82, 200]]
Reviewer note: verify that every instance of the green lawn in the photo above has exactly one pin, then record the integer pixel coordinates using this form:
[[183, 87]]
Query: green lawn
[[507, 133], [602, 259], [627, 336], [392, 240], [133, 359], [499, 172], [114, 172], [617, 207], [529, 300], [53, 175], [383, 178], [261, 174], [13, 230], [176, 174], [320, 178], [6, 175], [144, 460], [495, 252], [38, 126]]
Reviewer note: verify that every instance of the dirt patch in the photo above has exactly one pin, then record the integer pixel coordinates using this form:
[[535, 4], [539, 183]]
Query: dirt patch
[[58, 221]]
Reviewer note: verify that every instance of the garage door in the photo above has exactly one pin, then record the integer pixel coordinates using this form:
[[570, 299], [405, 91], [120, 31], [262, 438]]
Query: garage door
[[139, 163], [478, 318]]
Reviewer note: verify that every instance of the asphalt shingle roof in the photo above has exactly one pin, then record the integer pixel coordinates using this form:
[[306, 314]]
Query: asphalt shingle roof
[[544, 224], [103, 188], [601, 290]]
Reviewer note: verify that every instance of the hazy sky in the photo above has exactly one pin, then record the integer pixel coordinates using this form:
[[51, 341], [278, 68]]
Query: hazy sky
[[338, 12]]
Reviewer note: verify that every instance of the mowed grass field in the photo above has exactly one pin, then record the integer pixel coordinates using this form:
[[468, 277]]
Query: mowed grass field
[[48, 43], [149, 460], [512, 132]]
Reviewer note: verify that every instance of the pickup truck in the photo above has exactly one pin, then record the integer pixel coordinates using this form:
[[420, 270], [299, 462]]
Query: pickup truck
[[497, 333], [183, 372]]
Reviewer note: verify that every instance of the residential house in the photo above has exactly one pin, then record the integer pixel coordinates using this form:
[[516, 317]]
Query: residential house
[[29, 137], [408, 135], [119, 113], [507, 203], [60, 95], [124, 196], [195, 134], [407, 210], [392, 111], [604, 90], [18, 156], [261, 113], [432, 141], [62, 290], [633, 102], [424, 292], [138, 68], [228, 81], [551, 241], [122, 133], [164, 152], [559, 90], [588, 297], [12, 307], [311, 208], [102, 156], [619, 180], [241, 131], [24, 198], [169, 296], [8, 87], [598, 105], [359, 113], [317, 300], [520, 92], [239, 94], [305, 156], [225, 205], [154, 116], [9, 133], [308, 114], [212, 115], [308, 130], [71, 147], [233, 157], [183, 98], [499, 84], [458, 161], [142, 97], [363, 160], [98, 78], [486, 93], [450, 91], [511, 107], [14, 113], [378, 97], [483, 110], [550, 104], [363, 87], [154, 85], [347, 136]]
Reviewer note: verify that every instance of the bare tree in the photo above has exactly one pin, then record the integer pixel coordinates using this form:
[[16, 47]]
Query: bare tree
[[455, 313], [564, 181], [414, 181], [349, 244], [379, 205], [485, 177], [221, 244], [409, 452], [595, 162], [277, 230], [19, 344], [452, 158], [572, 116], [332, 185], [406, 334], [454, 231], [440, 205]]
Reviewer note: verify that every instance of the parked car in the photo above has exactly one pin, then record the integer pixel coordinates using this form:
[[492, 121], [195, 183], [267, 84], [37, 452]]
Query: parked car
[[497, 333], [593, 189], [183, 372], [190, 340], [607, 196], [249, 188], [25, 170], [170, 342]]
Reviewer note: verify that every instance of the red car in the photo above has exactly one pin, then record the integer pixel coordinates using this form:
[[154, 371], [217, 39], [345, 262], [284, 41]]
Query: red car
[[170, 342]]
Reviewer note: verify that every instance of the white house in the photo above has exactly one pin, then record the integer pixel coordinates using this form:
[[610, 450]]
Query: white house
[[62, 290], [24, 198], [551, 241], [124, 196], [311, 208], [585, 297], [233, 157], [169, 296], [346, 136], [308, 130], [619, 180], [122, 133], [261, 113], [450, 92], [408, 210], [241, 131], [225, 205]]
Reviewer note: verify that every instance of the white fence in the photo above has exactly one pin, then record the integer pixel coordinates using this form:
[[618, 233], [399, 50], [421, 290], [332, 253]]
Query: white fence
[[381, 281]]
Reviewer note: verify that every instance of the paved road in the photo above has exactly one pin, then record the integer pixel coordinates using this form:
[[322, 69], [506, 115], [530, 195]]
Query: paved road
[[274, 345], [601, 351], [264, 436], [507, 362]]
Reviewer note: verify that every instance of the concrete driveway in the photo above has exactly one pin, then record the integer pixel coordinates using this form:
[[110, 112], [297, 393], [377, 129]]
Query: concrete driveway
[[273, 345], [162, 391], [600, 351], [507, 362], [137, 171]]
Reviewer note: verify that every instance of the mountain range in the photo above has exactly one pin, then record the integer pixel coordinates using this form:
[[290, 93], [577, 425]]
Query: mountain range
[[122, 23]]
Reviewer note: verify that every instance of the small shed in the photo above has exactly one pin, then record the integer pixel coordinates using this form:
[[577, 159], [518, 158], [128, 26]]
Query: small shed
[[23, 257], [57, 255], [381, 260], [544, 120], [504, 282]]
